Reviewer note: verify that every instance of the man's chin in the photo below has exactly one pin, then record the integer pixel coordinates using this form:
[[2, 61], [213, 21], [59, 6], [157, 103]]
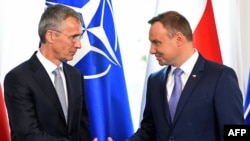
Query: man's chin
[[68, 59], [161, 63]]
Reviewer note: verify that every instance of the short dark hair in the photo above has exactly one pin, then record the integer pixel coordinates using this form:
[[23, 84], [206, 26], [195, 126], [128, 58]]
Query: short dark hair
[[174, 22]]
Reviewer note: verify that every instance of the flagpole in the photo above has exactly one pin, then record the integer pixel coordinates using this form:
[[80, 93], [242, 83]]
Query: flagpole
[[156, 7]]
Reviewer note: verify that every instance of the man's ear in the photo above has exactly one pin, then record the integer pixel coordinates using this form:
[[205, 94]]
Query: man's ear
[[179, 38], [50, 36]]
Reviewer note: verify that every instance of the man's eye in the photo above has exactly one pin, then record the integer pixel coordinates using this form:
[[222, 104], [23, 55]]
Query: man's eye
[[156, 43]]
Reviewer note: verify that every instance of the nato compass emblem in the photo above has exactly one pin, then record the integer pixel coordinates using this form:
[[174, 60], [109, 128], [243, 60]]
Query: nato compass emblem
[[100, 48]]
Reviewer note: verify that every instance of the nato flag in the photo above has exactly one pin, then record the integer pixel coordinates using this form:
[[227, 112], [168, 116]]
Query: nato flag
[[100, 61]]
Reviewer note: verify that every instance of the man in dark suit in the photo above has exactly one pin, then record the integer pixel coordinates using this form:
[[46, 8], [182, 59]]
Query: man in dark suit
[[210, 96], [33, 104]]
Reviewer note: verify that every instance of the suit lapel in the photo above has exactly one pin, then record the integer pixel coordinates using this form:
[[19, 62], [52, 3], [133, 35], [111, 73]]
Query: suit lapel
[[190, 85], [70, 89], [73, 91], [40, 75]]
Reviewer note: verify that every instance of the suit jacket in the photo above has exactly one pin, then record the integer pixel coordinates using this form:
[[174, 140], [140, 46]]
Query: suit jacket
[[34, 110], [210, 99]]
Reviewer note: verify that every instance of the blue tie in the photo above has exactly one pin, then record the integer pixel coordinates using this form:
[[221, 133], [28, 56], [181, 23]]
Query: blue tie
[[176, 92], [60, 90]]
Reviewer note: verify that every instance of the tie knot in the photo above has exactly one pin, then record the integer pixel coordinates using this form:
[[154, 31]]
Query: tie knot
[[177, 72], [56, 71]]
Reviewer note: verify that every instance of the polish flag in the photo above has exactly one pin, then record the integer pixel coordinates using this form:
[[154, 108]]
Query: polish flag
[[205, 37], [200, 15], [4, 124]]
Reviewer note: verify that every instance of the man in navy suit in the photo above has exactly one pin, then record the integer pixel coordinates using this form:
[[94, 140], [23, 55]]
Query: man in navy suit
[[34, 108], [210, 95]]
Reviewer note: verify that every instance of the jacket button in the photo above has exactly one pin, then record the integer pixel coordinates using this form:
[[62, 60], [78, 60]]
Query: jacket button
[[171, 138]]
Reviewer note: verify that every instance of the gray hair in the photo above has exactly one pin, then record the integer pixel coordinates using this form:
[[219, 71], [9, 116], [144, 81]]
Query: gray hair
[[53, 17]]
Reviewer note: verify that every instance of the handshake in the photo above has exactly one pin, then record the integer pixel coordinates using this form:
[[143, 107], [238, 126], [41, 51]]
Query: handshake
[[108, 139]]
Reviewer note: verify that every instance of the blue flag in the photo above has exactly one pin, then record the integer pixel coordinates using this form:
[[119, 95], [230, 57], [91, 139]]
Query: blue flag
[[99, 60], [247, 103]]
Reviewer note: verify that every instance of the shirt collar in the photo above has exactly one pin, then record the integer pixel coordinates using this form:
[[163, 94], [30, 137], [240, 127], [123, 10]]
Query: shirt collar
[[48, 65], [188, 65]]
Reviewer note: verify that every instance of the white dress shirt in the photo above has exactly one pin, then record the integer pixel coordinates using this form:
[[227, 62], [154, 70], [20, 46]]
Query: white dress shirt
[[187, 68]]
